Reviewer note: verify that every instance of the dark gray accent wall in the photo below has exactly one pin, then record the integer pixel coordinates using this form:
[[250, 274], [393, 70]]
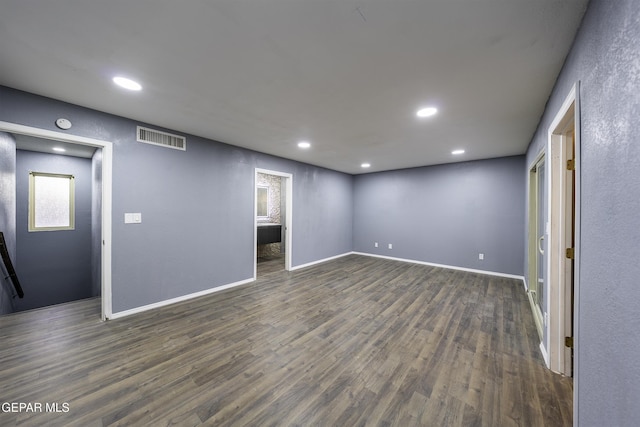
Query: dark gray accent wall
[[446, 214], [197, 205], [605, 58], [55, 266], [7, 216]]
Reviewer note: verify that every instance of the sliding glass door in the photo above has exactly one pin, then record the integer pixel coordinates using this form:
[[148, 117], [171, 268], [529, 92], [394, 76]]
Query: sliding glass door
[[537, 241]]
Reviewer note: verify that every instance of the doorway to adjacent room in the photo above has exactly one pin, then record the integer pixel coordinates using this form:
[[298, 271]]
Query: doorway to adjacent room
[[272, 221], [102, 203]]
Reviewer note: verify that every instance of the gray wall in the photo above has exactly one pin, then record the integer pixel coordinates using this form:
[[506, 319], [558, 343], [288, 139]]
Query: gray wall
[[445, 214], [605, 58], [330, 196], [197, 206], [7, 216], [55, 266]]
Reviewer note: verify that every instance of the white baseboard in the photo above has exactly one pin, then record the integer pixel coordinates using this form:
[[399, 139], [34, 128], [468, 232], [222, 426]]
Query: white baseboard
[[136, 310], [452, 267], [309, 264]]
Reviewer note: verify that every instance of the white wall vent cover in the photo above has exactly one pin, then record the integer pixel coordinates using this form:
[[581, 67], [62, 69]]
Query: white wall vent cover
[[164, 139]]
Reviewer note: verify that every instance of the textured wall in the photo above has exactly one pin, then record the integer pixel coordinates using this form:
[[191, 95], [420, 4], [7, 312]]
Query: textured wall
[[197, 206], [7, 215], [445, 214], [605, 58], [327, 198], [55, 266]]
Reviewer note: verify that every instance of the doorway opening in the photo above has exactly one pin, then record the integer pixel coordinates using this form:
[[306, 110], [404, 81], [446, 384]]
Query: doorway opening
[[272, 221], [56, 222], [101, 199], [554, 239], [563, 146]]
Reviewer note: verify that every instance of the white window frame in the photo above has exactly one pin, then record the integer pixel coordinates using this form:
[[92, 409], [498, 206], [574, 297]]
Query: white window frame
[[32, 201]]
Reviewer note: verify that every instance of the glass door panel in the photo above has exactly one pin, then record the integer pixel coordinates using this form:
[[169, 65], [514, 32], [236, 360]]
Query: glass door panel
[[541, 221]]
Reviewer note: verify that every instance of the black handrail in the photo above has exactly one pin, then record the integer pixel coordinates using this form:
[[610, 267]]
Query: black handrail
[[7, 263]]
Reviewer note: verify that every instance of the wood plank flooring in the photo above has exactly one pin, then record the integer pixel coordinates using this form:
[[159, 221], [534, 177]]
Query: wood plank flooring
[[270, 264], [354, 341]]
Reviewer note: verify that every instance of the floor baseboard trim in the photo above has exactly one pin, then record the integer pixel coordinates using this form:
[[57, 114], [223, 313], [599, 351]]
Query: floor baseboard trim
[[309, 264], [452, 267], [159, 304]]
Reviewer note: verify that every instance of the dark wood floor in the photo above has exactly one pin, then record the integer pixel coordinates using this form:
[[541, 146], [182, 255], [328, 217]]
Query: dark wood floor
[[354, 341], [270, 264]]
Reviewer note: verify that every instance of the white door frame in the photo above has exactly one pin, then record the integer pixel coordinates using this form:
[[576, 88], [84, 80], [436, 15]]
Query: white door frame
[[568, 114], [107, 165], [566, 117], [288, 217]]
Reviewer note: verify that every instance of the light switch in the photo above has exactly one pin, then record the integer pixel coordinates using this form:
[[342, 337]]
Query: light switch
[[132, 218]]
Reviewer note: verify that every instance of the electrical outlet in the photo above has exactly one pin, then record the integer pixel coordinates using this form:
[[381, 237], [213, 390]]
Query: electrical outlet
[[375, 244], [390, 246], [480, 256]]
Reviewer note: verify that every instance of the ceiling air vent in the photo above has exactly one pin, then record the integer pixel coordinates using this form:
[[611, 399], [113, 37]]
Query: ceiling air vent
[[164, 139]]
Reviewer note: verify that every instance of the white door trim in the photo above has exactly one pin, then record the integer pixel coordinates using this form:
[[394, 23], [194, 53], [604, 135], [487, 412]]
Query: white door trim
[[107, 167], [556, 327], [288, 218]]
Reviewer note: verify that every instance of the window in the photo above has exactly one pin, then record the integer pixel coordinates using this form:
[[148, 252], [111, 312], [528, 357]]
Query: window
[[51, 202], [263, 202]]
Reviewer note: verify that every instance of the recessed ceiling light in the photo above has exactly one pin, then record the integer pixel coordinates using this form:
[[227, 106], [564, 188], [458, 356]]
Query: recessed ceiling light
[[127, 83], [59, 149], [457, 152], [426, 112], [304, 144], [365, 165]]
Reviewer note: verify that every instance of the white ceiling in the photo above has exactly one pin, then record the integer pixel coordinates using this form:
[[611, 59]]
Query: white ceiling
[[345, 75]]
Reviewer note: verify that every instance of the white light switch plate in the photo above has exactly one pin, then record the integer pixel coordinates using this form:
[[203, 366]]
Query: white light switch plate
[[132, 218]]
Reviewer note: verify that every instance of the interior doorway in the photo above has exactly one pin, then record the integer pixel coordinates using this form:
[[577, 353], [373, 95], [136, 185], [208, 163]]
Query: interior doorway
[[554, 239], [564, 234], [273, 192], [57, 222], [102, 180]]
